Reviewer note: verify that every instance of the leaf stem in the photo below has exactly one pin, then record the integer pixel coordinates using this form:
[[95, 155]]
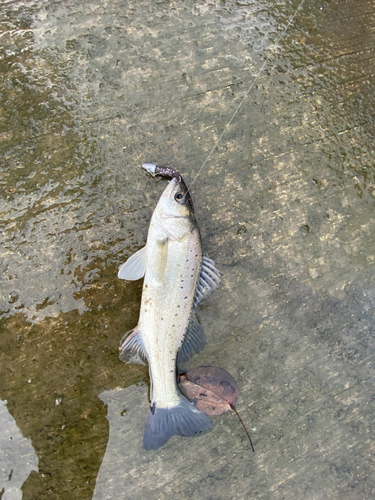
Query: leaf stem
[[243, 425]]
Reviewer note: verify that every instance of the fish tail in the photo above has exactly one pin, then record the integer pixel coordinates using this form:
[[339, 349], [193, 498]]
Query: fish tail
[[182, 420]]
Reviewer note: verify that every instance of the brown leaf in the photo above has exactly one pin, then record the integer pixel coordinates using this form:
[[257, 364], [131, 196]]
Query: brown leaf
[[212, 390], [204, 399]]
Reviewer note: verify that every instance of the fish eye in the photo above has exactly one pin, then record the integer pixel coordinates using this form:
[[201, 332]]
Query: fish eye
[[180, 198]]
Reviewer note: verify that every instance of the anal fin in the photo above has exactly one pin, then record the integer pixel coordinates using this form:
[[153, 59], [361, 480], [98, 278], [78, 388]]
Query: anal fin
[[131, 349]]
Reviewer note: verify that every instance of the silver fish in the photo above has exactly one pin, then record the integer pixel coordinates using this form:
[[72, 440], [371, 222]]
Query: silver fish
[[177, 276]]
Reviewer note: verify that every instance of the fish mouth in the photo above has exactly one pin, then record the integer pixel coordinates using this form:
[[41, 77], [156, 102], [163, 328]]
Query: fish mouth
[[170, 173]]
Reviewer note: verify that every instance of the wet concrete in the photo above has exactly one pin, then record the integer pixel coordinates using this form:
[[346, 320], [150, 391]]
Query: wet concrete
[[285, 205]]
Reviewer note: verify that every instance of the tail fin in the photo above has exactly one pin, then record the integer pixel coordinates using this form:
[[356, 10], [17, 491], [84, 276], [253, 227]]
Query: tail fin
[[183, 420]]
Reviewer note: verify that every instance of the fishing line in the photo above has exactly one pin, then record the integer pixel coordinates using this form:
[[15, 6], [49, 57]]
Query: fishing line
[[247, 93]]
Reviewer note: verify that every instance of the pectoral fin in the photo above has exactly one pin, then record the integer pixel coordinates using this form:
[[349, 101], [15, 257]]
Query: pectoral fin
[[135, 267], [131, 349]]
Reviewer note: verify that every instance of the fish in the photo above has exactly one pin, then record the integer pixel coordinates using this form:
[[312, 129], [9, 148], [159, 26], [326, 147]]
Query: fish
[[177, 277]]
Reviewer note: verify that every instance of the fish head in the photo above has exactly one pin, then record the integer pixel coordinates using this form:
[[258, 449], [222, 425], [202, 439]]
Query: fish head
[[173, 213], [174, 202]]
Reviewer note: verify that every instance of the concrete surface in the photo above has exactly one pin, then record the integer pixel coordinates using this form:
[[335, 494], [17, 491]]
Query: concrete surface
[[89, 91]]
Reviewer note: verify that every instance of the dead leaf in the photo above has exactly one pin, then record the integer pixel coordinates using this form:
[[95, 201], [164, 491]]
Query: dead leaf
[[212, 390]]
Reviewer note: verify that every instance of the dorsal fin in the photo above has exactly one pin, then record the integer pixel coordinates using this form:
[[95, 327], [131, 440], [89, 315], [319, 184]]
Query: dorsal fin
[[209, 280], [194, 340]]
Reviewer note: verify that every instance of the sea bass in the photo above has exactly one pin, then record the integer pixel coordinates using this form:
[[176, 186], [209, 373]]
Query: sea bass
[[177, 276]]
